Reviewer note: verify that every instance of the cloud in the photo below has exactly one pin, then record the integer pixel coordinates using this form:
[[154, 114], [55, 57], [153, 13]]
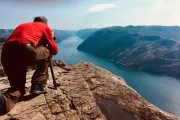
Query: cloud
[[101, 7]]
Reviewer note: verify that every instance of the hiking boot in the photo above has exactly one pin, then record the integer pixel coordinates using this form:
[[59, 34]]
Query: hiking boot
[[2, 105], [10, 99], [38, 89], [11, 90]]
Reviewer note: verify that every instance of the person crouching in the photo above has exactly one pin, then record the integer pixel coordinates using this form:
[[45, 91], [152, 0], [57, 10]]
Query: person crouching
[[30, 43]]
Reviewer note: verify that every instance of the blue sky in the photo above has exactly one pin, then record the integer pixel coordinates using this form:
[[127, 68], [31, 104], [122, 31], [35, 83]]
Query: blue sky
[[79, 14]]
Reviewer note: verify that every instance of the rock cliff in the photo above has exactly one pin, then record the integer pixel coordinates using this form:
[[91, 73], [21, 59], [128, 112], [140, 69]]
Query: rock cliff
[[153, 49], [85, 92]]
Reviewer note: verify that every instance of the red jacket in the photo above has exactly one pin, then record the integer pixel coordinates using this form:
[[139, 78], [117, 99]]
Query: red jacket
[[33, 32]]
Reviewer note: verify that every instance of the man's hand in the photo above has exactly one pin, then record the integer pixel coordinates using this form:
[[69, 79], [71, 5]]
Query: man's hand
[[50, 56]]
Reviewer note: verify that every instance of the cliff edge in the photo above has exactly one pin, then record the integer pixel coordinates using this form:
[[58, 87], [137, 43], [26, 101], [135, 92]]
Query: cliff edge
[[85, 92]]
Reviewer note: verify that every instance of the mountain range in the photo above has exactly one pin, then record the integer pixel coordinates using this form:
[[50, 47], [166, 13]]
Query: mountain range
[[153, 49], [60, 34]]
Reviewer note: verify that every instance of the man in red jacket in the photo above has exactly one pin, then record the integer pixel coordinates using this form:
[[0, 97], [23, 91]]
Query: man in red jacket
[[31, 43]]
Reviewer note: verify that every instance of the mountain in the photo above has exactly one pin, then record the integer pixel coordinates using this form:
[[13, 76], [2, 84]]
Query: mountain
[[169, 32], [60, 34], [63, 34], [6, 32], [2, 39], [150, 50], [85, 33], [84, 92]]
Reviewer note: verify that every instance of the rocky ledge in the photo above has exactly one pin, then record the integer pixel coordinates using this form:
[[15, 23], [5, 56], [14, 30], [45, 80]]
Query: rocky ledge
[[85, 92]]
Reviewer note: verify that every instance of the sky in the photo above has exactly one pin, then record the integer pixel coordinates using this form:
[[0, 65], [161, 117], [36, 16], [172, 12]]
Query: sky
[[80, 14]]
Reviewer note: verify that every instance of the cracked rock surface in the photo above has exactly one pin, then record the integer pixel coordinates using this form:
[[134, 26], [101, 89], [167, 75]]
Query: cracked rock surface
[[85, 92]]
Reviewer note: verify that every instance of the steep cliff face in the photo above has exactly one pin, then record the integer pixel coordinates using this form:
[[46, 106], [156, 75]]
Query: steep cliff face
[[144, 48], [85, 92]]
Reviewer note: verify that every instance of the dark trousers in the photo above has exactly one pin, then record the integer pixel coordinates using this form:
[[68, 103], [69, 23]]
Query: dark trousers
[[16, 58]]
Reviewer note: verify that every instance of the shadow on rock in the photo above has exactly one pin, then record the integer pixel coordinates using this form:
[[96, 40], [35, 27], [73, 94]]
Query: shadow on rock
[[112, 110], [27, 97]]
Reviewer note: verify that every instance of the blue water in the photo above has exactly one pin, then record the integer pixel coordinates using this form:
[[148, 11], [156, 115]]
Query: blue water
[[161, 91]]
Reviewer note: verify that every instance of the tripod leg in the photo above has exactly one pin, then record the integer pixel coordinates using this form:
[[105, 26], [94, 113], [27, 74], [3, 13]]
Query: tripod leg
[[52, 72]]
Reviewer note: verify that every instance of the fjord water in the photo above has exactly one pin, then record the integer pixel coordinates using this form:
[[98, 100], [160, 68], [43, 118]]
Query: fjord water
[[162, 91]]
